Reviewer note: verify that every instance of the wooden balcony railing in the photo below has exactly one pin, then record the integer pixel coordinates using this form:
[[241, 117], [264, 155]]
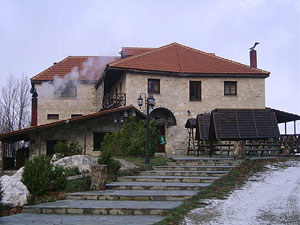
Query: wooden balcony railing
[[115, 100]]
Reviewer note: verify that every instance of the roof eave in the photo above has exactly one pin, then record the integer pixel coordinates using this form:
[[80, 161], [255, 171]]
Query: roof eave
[[233, 75]]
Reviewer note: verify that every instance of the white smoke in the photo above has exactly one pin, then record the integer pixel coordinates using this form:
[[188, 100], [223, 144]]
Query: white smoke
[[89, 72]]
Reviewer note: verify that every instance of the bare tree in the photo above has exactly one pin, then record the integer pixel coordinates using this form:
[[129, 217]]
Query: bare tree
[[15, 104]]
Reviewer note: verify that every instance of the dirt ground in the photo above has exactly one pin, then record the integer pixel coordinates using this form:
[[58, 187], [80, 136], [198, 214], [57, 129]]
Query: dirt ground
[[271, 197]]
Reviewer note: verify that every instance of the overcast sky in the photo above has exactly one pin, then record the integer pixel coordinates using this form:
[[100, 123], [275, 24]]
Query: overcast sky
[[34, 34]]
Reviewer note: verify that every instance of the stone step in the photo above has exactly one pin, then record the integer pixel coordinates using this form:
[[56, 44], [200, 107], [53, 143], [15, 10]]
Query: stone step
[[135, 195], [98, 207], [73, 219], [204, 161], [186, 173], [156, 186], [200, 168], [195, 163], [175, 179]]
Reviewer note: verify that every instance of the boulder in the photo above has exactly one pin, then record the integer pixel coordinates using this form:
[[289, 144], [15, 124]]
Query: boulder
[[18, 174], [82, 162], [125, 165], [14, 192]]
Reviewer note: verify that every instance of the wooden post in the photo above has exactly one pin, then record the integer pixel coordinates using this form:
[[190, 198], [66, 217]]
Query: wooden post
[[285, 127], [211, 149], [84, 138], [39, 144], [295, 127], [2, 158]]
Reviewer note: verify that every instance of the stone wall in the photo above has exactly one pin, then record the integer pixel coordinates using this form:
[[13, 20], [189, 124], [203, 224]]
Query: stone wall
[[174, 95], [74, 131], [86, 102]]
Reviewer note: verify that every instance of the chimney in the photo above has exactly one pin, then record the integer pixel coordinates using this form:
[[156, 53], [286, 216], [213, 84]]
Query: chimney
[[34, 108], [253, 59]]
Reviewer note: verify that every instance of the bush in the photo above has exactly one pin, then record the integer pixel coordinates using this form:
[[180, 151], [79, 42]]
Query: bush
[[131, 140], [40, 177], [105, 159], [63, 149]]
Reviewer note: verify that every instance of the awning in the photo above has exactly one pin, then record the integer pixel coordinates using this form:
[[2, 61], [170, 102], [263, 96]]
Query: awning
[[163, 116]]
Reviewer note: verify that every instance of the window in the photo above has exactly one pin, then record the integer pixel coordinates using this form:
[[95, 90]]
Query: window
[[120, 87], [195, 90], [50, 144], [52, 116], [75, 115], [153, 86], [65, 90], [98, 138], [230, 88]]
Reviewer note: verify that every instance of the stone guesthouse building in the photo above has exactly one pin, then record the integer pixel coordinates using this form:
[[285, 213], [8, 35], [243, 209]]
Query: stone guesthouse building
[[184, 82]]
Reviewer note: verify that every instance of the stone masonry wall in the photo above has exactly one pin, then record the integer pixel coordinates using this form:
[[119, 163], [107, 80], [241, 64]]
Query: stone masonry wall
[[174, 95], [74, 131], [85, 102]]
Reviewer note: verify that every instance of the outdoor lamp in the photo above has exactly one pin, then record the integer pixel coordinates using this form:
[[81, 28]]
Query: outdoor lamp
[[121, 120], [140, 101], [115, 120], [133, 113], [125, 114], [151, 101]]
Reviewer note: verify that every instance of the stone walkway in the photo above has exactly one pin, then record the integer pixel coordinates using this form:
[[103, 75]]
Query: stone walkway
[[133, 199], [41, 219]]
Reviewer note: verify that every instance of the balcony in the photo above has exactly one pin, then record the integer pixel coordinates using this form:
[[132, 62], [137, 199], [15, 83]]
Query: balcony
[[115, 100]]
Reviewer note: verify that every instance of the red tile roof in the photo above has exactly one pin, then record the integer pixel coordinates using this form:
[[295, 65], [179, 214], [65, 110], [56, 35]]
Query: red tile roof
[[88, 68], [178, 58], [131, 51]]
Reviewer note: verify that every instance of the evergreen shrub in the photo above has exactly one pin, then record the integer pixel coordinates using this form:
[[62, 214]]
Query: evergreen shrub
[[63, 149], [40, 177]]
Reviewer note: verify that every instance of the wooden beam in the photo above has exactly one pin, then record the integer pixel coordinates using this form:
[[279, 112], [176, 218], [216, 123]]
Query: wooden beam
[[84, 138], [285, 128], [295, 127]]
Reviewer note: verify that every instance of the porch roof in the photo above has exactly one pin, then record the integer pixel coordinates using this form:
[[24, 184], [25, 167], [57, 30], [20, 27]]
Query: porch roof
[[23, 134], [284, 117]]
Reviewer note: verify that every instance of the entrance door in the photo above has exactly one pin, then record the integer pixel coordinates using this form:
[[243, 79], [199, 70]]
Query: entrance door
[[161, 131]]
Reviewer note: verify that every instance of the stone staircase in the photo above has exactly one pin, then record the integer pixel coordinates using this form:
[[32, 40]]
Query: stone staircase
[[146, 195]]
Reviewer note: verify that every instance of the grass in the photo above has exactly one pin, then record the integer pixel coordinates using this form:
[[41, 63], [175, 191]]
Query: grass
[[220, 189]]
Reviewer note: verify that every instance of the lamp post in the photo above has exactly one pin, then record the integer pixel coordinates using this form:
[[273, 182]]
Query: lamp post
[[149, 102]]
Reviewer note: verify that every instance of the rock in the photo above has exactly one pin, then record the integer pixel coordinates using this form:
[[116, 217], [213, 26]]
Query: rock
[[82, 162], [125, 165], [18, 174], [14, 192]]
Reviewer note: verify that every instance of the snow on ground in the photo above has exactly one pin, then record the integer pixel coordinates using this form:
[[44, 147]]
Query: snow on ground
[[272, 197]]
